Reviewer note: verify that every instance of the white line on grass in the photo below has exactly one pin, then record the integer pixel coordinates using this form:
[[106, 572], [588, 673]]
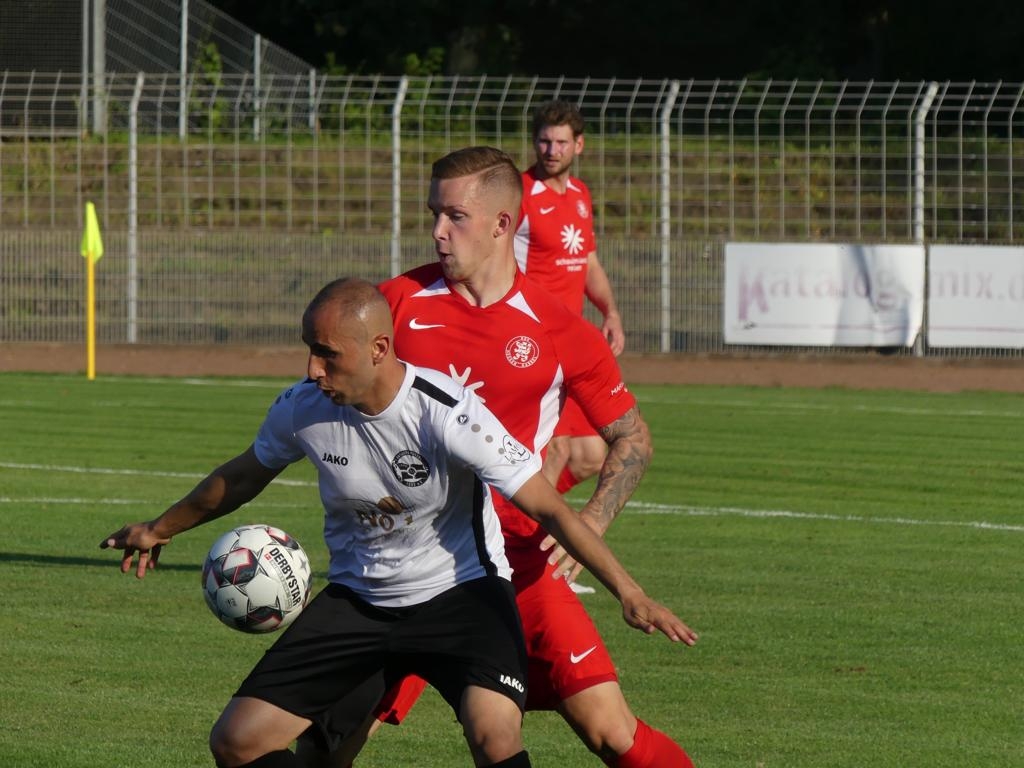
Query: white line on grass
[[669, 509], [766, 406], [639, 507], [133, 472], [80, 501]]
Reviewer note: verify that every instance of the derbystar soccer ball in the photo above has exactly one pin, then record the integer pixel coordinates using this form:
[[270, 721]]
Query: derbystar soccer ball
[[256, 578]]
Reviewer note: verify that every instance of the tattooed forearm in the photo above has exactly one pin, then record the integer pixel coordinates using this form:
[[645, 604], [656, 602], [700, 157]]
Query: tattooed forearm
[[629, 453]]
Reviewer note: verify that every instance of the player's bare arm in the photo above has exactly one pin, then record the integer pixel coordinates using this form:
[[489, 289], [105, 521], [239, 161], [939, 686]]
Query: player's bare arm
[[224, 490], [598, 289], [629, 453], [545, 505]]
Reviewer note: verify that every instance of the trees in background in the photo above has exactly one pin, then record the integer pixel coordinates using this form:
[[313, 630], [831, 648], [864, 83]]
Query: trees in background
[[854, 39]]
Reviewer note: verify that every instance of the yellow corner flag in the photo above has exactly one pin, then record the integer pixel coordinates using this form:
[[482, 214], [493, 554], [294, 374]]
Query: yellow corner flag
[[92, 243], [92, 250]]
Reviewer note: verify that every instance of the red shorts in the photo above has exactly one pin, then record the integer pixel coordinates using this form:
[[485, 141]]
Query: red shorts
[[565, 652], [572, 422]]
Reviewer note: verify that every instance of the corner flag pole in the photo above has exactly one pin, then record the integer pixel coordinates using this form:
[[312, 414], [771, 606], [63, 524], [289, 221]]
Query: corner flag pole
[[92, 250]]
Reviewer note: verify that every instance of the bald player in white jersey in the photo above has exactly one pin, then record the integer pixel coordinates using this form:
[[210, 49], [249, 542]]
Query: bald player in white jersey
[[418, 578]]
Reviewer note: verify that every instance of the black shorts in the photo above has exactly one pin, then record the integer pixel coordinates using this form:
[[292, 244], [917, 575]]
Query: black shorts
[[333, 664]]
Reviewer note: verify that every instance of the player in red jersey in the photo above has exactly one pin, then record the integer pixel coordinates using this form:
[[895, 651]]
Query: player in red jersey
[[555, 245], [474, 315]]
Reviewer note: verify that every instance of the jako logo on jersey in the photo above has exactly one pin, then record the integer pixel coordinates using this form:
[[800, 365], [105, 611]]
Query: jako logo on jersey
[[522, 351], [511, 682], [410, 468], [581, 209], [513, 451], [330, 458]]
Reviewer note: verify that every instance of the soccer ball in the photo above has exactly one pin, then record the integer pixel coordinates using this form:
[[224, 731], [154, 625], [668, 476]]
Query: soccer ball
[[256, 578]]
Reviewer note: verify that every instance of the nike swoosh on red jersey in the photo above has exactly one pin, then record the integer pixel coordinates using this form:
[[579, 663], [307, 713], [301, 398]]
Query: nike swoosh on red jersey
[[576, 659], [545, 211], [416, 325]]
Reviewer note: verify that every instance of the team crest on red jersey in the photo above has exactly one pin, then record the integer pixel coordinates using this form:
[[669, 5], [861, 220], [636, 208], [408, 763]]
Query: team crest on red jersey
[[522, 351], [581, 209]]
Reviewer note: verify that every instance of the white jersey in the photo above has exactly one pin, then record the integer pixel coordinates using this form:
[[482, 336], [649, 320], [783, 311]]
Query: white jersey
[[406, 513]]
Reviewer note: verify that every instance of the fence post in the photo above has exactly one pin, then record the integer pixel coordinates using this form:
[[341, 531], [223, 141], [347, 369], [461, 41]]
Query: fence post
[[133, 210], [99, 65], [83, 87], [665, 160], [1009, 163], [257, 83], [782, 159], [984, 154], [396, 176], [919, 121], [183, 72], [757, 158], [857, 149]]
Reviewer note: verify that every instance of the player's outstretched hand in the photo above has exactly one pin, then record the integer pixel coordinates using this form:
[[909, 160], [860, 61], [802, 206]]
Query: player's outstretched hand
[[137, 538], [649, 615], [565, 566]]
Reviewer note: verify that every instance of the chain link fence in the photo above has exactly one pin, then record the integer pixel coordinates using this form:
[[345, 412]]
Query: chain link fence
[[312, 153], [333, 168]]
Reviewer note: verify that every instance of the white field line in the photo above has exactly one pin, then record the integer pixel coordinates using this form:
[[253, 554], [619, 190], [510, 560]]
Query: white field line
[[636, 507], [268, 383], [671, 509], [762, 405], [130, 472]]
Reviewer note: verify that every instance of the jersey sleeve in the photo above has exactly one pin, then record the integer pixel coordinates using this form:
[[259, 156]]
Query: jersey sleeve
[[588, 201], [480, 441], [592, 375], [276, 445]]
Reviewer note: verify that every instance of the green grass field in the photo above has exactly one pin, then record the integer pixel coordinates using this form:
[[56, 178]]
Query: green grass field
[[852, 560]]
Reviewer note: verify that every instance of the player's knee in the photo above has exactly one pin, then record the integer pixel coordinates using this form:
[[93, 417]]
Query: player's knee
[[492, 725], [494, 741], [602, 719], [608, 737], [227, 748]]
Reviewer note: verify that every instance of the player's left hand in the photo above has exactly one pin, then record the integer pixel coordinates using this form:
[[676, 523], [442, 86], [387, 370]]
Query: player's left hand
[[649, 615], [565, 565], [137, 538], [612, 330]]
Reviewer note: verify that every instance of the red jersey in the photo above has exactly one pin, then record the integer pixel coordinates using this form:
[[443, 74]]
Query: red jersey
[[522, 355], [554, 237]]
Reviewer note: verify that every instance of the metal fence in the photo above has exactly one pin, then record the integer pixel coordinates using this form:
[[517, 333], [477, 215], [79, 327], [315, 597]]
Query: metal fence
[[306, 152], [334, 170], [87, 41]]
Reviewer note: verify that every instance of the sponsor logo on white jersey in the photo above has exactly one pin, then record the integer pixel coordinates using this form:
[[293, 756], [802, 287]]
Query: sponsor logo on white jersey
[[410, 468], [416, 325], [514, 451], [522, 351]]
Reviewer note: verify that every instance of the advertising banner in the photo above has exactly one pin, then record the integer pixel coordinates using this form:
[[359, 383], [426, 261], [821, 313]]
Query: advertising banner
[[975, 296], [822, 294]]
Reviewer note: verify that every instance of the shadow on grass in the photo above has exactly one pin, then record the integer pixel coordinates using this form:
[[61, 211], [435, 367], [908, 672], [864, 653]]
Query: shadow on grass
[[100, 561]]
